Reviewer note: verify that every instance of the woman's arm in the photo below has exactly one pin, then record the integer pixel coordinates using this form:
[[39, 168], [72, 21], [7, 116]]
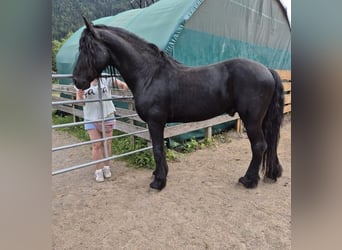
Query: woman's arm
[[80, 96], [121, 84]]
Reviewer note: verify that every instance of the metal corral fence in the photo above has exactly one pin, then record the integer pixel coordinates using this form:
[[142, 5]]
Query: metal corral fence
[[128, 121], [63, 99]]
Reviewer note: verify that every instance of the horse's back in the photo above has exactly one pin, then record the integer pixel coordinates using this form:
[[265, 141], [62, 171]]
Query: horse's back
[[249, 69], [238, 70]]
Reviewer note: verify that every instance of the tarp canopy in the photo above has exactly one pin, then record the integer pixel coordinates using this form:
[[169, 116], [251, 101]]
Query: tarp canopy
[[199, 32]]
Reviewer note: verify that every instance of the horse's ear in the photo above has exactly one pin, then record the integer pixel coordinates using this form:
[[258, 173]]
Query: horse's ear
[[90, 27]]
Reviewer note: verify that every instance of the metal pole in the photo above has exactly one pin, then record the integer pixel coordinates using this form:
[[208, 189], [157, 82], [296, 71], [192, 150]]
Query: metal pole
[[102, 118], [84, 122], [98, 161], [97, 140]]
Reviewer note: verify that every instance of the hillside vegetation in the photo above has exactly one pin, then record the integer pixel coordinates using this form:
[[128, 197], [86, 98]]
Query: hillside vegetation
[[67, 15]]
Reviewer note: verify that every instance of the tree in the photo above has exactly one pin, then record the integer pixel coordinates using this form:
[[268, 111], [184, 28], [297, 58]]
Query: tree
[[141, 3], [56, 45]]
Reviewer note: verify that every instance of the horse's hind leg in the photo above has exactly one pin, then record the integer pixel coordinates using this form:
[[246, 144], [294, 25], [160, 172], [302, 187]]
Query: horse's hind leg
[[258, 145], [157, 136], [276, 172]]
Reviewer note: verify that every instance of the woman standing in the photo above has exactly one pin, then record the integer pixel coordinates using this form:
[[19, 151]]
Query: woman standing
[[92, 112]]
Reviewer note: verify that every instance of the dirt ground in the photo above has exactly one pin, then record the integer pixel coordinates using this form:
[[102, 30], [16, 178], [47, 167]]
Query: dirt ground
[[202, 206]]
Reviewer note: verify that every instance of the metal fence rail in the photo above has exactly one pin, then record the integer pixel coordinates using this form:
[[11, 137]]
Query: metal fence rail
[[104, 139], [84, 122], [134, 127], [97, 140], [98, 161]]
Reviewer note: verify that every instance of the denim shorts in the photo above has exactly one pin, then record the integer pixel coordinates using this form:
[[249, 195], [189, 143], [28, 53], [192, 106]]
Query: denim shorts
[[109, 125]]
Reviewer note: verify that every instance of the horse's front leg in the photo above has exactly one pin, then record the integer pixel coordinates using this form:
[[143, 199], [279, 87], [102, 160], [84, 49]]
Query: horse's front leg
[[157, 136]]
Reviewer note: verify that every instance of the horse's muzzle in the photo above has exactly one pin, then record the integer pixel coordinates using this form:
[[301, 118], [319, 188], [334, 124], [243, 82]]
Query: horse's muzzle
[[81, 84]]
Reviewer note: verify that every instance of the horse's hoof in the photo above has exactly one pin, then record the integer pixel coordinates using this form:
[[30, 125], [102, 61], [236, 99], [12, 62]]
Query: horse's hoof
[[158, 184], [276, 173], [248, 183]]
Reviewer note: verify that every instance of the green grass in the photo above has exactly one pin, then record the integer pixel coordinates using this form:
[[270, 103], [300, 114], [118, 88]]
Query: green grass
[[77, 131]]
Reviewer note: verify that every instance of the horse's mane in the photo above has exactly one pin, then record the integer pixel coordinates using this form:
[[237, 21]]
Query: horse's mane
[[87, 42], [134, 39]]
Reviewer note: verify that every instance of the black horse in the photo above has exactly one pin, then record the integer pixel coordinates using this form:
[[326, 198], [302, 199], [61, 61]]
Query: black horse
[[167, 91]]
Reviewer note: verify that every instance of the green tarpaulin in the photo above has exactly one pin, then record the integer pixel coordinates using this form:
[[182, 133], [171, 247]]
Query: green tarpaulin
[[199, 32]]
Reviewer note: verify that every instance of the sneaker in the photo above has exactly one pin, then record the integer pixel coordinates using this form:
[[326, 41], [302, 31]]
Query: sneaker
[[106, 172], [99, 175]]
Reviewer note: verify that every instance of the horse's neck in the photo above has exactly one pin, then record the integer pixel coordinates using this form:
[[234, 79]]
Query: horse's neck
[[134, 67], [133, 72]]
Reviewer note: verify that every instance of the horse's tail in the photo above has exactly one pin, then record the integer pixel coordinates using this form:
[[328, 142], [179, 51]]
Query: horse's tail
[[271, 128]]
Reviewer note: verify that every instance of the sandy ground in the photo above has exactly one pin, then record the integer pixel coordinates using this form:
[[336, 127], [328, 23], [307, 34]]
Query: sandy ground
[[202, 206]]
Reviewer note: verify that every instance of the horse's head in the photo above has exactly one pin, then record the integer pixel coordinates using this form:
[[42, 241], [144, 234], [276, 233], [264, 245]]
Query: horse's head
[[93, 57]]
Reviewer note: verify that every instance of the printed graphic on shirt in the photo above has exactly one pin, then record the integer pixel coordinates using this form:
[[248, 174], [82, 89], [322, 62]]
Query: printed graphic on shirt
[[93, 91]]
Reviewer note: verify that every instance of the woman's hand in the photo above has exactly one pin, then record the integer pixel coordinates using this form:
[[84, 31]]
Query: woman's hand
[[79, 94]]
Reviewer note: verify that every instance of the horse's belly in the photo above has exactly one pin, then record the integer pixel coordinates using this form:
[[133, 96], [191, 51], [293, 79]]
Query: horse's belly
[[195, 114], [203, 107]]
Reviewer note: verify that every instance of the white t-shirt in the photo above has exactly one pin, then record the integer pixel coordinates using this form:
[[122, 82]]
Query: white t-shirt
[[92, 110]]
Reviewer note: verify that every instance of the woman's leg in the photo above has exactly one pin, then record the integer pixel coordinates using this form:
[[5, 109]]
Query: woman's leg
[[109, 133], [97, 147]]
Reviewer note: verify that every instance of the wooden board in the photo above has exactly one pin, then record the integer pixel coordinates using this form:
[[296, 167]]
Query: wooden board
[[287, 108], [192, 126], [285, 75], [287, 99], [287, 86]]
